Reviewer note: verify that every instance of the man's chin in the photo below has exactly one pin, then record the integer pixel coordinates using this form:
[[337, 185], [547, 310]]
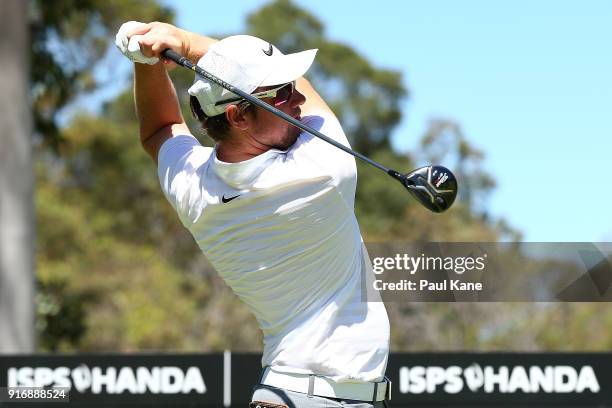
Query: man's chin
[[288, 143]]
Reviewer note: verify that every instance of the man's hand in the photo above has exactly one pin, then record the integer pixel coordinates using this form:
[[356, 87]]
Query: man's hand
[[143, 43]]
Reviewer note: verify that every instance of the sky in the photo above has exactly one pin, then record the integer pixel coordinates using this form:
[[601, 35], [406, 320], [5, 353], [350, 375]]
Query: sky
[[529, 82]]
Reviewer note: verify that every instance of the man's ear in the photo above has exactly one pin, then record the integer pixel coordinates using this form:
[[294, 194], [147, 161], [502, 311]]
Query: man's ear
[[237, 117]]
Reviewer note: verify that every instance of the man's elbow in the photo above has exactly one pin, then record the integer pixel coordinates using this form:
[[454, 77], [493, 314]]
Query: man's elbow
[[152, 141]]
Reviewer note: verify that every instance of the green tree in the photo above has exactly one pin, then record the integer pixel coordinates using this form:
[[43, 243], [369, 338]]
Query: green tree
[[68, 39], [445, 142]]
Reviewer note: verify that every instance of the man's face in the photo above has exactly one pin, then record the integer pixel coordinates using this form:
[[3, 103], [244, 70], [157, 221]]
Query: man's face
[[272, 131]]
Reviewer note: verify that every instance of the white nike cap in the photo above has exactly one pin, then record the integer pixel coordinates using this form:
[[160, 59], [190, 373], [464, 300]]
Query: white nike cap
[[247, 63]]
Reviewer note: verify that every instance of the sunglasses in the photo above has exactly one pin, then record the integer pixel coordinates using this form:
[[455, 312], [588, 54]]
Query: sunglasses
[[281, 95]]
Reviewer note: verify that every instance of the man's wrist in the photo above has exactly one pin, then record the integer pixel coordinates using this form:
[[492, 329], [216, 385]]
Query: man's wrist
[[196, 45], [185, 42]]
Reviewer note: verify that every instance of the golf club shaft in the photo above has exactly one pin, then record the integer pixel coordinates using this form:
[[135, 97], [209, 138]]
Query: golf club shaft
[[184, 62]]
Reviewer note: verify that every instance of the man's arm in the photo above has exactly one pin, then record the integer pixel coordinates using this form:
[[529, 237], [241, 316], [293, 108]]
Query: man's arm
[[157, 105], [314, 102]]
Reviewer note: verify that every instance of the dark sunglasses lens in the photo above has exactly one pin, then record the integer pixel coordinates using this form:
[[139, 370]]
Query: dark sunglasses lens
[[283, 94]]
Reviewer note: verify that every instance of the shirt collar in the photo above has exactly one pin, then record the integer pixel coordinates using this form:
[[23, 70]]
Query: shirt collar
[[243, 174]]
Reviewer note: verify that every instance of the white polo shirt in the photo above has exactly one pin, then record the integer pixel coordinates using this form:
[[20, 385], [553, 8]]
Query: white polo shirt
[[281, 231]]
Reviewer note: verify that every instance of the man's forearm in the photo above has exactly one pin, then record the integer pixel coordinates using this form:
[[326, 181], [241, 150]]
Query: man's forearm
[[156, 101]]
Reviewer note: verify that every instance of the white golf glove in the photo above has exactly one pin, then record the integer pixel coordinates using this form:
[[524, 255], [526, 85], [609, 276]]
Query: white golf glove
[[130, 46]]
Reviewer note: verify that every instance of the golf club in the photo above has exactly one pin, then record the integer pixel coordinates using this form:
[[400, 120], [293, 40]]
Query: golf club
[[435, 187]]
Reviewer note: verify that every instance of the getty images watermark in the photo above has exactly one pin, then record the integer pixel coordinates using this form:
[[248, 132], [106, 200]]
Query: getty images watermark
[[411, 265], [489, 272]]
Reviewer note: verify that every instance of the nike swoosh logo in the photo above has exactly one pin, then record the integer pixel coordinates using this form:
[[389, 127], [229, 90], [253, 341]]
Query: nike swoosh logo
[[269, 51], [228, 199]]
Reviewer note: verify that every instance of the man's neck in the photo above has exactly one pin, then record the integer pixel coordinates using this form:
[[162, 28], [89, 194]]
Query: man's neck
[[237, 149]]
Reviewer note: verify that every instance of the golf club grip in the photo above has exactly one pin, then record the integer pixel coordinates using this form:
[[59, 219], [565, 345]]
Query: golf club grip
[[179, 59], [184, 62]]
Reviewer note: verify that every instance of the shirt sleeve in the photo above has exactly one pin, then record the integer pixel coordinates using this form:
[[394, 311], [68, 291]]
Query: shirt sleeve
[[181, 162], [335, 162]]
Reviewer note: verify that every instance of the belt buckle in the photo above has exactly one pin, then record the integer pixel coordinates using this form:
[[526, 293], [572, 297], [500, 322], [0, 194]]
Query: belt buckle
[[387, 395]]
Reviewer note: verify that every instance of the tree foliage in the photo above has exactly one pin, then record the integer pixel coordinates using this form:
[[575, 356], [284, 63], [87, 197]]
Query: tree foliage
[[445, 142], [68, 38]]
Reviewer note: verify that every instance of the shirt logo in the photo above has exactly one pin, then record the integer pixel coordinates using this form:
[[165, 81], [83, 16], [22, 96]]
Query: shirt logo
[[228, 199], [268, 52]]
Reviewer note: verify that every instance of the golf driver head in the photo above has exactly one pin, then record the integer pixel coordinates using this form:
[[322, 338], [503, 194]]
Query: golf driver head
[[433, 186]]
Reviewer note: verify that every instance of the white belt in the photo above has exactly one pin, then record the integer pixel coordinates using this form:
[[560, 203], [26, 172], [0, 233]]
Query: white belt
[[323, 387]]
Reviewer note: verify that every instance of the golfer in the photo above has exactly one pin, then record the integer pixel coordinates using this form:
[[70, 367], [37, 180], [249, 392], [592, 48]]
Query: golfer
[[271, 207]]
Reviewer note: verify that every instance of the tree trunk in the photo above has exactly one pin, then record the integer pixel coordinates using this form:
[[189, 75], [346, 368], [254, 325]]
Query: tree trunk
[[16, 183]]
